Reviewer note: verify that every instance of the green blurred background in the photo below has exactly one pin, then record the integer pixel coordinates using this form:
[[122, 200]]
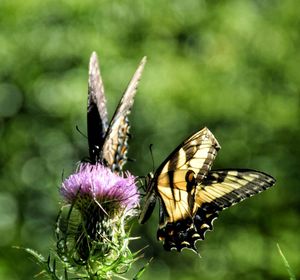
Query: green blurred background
[[232, 66]]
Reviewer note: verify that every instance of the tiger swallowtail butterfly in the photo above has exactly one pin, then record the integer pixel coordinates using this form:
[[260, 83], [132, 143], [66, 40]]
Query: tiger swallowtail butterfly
[[191, 195], [108, 141]]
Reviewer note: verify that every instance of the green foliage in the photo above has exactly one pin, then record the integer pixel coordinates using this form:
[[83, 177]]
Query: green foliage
[[232, 66], [286, 264]]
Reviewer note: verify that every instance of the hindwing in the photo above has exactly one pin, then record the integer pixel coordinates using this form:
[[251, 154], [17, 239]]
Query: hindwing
[[218, 190]]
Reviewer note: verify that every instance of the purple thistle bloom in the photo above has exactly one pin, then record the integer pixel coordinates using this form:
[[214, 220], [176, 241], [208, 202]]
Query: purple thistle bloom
[[99, 183], [100, 202]]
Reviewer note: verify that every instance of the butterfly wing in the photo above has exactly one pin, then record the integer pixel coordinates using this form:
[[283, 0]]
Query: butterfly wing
[[115, 146], [175, 180], [97, 122], [218, 190], [223, 188]]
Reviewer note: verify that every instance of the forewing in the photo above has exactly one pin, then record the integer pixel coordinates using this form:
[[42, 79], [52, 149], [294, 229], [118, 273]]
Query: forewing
[[97, 123], [196, 153], [115, 147], [178, 176]]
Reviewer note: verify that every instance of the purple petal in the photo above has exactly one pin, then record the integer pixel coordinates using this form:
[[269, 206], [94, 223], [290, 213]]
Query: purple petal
[[100, 183]]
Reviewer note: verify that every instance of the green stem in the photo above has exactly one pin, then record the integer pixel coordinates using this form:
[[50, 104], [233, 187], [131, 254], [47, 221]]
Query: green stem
[[288, 268]]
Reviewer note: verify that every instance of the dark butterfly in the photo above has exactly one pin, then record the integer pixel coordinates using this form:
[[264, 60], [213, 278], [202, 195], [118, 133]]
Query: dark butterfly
[[191, 196], [108, 142]]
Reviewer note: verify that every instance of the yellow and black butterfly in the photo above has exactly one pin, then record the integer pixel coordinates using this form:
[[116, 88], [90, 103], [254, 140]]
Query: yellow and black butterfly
[[191, 196], [108, 142]]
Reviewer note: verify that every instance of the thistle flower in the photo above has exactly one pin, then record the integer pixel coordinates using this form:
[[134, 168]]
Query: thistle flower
[[99, 183], [91, 234]]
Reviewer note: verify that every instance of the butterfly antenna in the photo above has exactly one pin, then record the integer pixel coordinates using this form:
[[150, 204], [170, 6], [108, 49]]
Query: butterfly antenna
[[151, 152], [81, 133], [131, 159]]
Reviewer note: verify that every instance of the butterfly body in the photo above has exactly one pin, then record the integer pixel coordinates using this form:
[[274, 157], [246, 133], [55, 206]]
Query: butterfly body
[[191, 195]]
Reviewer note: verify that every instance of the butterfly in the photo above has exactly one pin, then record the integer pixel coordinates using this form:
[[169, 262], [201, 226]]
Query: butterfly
[[108, 142], [191, 195]]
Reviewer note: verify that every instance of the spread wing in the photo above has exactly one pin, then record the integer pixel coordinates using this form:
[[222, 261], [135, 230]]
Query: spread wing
[[97, 122], [218, 190], [115, 146], [176, 183], [175, 180]]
